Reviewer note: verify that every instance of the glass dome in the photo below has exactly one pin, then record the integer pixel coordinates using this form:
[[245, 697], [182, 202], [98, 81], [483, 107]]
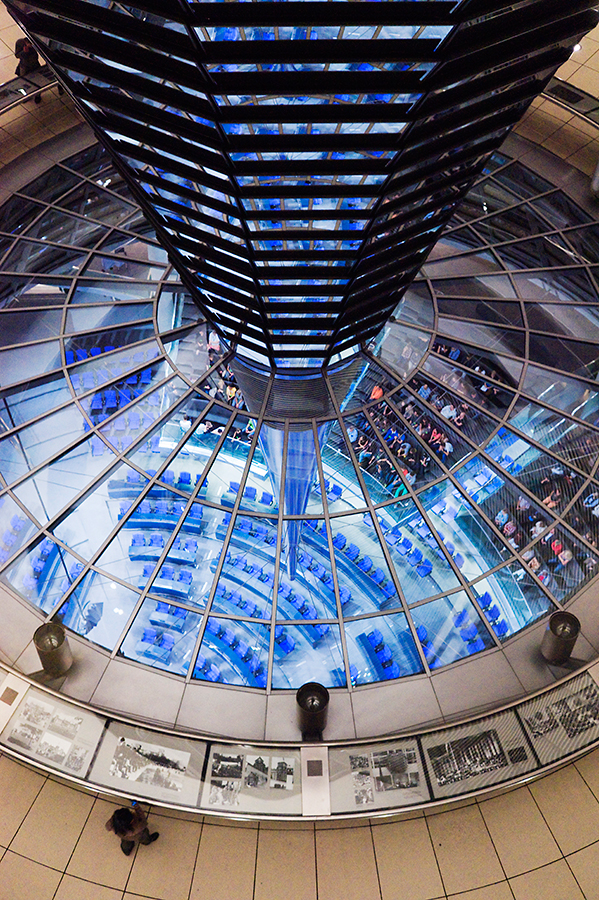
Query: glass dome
[[448, 475]]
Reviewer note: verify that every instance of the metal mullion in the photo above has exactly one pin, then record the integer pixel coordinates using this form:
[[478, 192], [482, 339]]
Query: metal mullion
[[134, 83], [162, 141], [204, 219], [131, 108], [111, 20], [100, 44]]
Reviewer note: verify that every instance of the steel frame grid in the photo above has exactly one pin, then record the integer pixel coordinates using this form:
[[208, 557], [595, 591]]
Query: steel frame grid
[[477, 81]]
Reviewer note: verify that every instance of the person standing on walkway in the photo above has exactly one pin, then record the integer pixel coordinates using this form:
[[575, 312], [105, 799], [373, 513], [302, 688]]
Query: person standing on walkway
[[29, 61], [130, 824]]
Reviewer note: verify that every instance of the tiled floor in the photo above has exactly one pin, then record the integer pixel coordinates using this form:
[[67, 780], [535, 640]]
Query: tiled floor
[[535, 843]]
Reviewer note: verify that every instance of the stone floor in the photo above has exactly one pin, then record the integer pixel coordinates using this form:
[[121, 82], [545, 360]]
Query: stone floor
[[538, 842]]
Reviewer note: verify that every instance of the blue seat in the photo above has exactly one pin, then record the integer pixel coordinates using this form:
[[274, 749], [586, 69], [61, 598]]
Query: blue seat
[[228, 637], [384, 654], [185, 576], [156, 540], [352, 552], [500, 628], [393, 538], [485, 600], [243, 650], [421, 633], [378, 576], [393, 671], [138, 540], [404, 547], [344, 595], [243, 524], [185, 480], [335, 493], [234, 487], [266, 499], [415, 557], [318, 569], [321, 630], [213, 627], [389, 590], [309, 611], [250, 493], [375, 638], [476, 646], [469, 633], [365, 564], [458, 560], [284, 589], [250, 608], [425, 568], [493, 613], [168, 477], [339, 541], [460, 618], [212, 673], [167, 572], [287, 644]]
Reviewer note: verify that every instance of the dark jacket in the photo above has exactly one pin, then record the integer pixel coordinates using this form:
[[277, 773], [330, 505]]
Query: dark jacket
[[27, 55]]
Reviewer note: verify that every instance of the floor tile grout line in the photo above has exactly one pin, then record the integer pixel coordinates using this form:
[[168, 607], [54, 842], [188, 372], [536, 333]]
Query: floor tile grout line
[[44, 782], [432, 843], [497, 854], [256, 861], [376, 863], [195, 862]]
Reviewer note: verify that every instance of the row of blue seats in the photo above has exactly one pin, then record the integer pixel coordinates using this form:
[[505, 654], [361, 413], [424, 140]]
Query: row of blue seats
[[182, 550], [155, 513], [333, 491], [242, 650], [250, 493], [306, 609], [40, 563], [156, 644], [384, 654], [136, 481], [236, 598], [404, 546], [354, 554]]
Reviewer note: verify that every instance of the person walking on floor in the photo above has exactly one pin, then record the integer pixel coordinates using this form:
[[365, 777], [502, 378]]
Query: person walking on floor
[[29, 61], [131, 826]]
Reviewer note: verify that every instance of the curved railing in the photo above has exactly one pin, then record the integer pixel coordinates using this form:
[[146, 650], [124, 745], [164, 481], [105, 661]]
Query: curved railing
[[270, 780], [20, 89]]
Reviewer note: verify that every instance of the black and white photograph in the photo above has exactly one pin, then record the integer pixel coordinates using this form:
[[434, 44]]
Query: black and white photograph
[[25, 735], [37, 713], [149, 764], [391, 770], [564, 719], [256, 771], [224, 791], [363, 789], [387, 775], [224, 766], [467, 757], [281, 772], [53, 748], [360, 763], [76, 757], [65, 725], [578, 712], [542, 721]]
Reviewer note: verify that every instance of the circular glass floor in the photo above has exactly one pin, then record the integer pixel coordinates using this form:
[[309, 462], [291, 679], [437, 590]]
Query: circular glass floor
[[441, 501]]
